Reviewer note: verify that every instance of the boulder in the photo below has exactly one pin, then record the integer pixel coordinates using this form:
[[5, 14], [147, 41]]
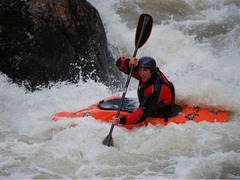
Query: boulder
[[47, 41]]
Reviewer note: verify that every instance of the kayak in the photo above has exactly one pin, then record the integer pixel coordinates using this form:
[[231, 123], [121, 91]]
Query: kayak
[[107, 108]]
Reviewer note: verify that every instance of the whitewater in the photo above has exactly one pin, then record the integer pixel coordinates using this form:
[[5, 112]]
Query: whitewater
[[203, 63]]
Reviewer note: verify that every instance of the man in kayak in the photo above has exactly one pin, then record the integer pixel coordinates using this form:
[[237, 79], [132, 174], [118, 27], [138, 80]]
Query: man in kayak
[[155, 93]]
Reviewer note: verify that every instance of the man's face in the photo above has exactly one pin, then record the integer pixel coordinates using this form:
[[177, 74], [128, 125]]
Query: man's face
[[145, 74]]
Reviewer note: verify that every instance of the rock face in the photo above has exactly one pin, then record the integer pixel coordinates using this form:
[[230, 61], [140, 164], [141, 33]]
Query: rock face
[[43, 41]]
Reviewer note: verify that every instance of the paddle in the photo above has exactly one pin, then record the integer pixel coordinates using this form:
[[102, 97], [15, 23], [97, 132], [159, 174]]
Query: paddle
[[143, 31]]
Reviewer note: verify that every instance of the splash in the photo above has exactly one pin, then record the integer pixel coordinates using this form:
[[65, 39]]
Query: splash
[[204, 67]]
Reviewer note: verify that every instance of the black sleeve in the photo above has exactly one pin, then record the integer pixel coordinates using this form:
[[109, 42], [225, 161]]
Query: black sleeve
[[123, 68], [150, 102]]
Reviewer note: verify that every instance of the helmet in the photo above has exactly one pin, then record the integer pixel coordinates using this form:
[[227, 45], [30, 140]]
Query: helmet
[[147, 62]]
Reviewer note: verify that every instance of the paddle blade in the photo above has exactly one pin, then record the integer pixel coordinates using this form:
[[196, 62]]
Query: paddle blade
[[108, 141], [143, 31]]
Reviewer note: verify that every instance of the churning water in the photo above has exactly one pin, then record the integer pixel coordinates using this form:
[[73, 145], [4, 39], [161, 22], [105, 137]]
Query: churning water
[[196, 43]]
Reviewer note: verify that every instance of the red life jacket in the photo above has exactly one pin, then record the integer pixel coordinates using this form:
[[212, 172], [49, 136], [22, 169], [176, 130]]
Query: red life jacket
[[157, 93]]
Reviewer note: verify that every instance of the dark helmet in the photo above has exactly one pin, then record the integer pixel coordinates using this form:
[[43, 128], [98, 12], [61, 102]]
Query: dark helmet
[[147, 62]]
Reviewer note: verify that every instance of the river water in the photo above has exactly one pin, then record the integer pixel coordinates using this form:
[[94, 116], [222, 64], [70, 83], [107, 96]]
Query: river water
[[196, 43]]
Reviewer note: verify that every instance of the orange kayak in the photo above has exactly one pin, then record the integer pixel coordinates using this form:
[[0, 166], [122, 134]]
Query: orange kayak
[[106, 109]]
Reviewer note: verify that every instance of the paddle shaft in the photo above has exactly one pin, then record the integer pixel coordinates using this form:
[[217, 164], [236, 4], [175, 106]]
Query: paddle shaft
[[109, 137]]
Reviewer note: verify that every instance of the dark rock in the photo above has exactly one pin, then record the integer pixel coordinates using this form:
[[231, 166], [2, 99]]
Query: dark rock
[[44, 41]]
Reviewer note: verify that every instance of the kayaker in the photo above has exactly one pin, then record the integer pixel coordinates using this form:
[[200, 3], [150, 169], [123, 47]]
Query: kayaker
[[155, 93]]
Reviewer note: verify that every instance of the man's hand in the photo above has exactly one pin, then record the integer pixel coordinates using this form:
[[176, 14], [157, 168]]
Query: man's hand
[[133, 62], [115, 120]]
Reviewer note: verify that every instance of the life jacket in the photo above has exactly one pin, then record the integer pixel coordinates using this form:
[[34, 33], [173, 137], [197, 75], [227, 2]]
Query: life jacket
[[156, 94], [161, 83]]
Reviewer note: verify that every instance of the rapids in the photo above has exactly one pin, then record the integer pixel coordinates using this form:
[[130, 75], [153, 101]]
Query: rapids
[[196, 44]]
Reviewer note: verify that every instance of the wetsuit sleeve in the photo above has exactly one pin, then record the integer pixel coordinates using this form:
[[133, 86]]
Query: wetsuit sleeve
[[145, 109], [132, 117], [123, 65]]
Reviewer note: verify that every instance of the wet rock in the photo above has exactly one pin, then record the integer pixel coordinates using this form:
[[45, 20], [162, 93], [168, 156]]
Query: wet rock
[[44, 41]]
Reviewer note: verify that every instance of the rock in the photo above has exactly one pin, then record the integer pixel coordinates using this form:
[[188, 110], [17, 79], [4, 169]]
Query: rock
[[45, 41]]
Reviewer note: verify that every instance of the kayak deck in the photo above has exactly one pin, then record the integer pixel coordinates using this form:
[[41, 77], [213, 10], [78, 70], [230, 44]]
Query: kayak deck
[[107, 108]]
